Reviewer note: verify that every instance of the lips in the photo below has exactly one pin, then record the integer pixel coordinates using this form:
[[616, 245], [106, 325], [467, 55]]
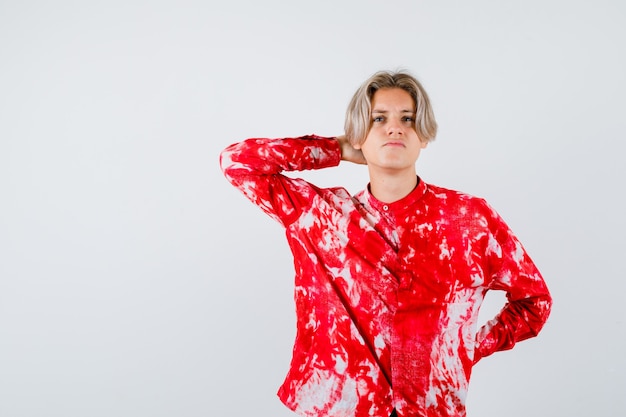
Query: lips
[[394, 143]]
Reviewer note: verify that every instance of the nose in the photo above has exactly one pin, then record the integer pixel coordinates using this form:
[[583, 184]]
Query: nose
[[394, 127]]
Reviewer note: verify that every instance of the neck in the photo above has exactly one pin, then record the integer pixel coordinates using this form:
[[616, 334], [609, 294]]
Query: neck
[[391, 187]]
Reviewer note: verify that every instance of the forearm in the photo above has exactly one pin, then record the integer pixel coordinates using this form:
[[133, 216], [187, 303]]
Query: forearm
[[260, 156], [518, 320]]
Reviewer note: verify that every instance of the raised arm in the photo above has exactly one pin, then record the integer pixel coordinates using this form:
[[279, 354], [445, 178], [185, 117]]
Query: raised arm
[[255, 167], [529, 301]]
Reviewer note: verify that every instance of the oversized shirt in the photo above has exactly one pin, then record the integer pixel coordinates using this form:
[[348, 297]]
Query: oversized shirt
[[387, 294]]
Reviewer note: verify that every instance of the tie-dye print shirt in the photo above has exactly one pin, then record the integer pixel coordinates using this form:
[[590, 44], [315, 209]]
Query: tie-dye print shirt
[[387, 295]]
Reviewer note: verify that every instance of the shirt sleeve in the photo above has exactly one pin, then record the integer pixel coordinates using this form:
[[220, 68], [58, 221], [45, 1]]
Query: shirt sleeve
[[255, 167], [528, 300]]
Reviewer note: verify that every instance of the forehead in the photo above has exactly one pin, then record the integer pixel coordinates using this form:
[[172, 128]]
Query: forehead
[[392, 99]]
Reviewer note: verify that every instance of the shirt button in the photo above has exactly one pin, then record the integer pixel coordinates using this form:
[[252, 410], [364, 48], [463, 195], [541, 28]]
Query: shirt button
[[385, 207]]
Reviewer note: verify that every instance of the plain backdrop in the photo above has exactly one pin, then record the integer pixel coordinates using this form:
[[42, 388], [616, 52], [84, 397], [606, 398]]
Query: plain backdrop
[[135, 281]]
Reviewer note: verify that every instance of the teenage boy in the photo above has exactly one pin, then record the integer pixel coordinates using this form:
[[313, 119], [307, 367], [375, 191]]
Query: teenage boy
[[389, 281]]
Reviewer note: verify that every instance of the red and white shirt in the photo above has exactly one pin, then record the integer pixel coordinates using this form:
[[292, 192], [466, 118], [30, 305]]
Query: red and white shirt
[[387, 295]]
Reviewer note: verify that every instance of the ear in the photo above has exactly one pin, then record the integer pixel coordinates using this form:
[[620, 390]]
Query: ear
[[424, 144]]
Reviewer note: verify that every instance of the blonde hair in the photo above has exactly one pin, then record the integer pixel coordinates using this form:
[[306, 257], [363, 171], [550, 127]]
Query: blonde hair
[[358, 114]]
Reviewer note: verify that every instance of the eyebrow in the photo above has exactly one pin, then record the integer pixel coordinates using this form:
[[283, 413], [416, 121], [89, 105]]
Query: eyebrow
[[387, 111]]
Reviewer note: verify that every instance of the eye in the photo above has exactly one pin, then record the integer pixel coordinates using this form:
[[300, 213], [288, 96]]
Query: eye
[[408, 119], [377, 119]]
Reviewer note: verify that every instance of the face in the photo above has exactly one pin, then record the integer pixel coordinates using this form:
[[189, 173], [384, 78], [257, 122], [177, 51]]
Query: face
[[392, 144]]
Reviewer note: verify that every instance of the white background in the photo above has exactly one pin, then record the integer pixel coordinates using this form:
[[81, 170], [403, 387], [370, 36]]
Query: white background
[[134, 281]]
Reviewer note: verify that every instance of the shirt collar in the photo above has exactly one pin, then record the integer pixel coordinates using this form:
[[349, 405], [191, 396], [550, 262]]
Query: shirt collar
[[417, 193]]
